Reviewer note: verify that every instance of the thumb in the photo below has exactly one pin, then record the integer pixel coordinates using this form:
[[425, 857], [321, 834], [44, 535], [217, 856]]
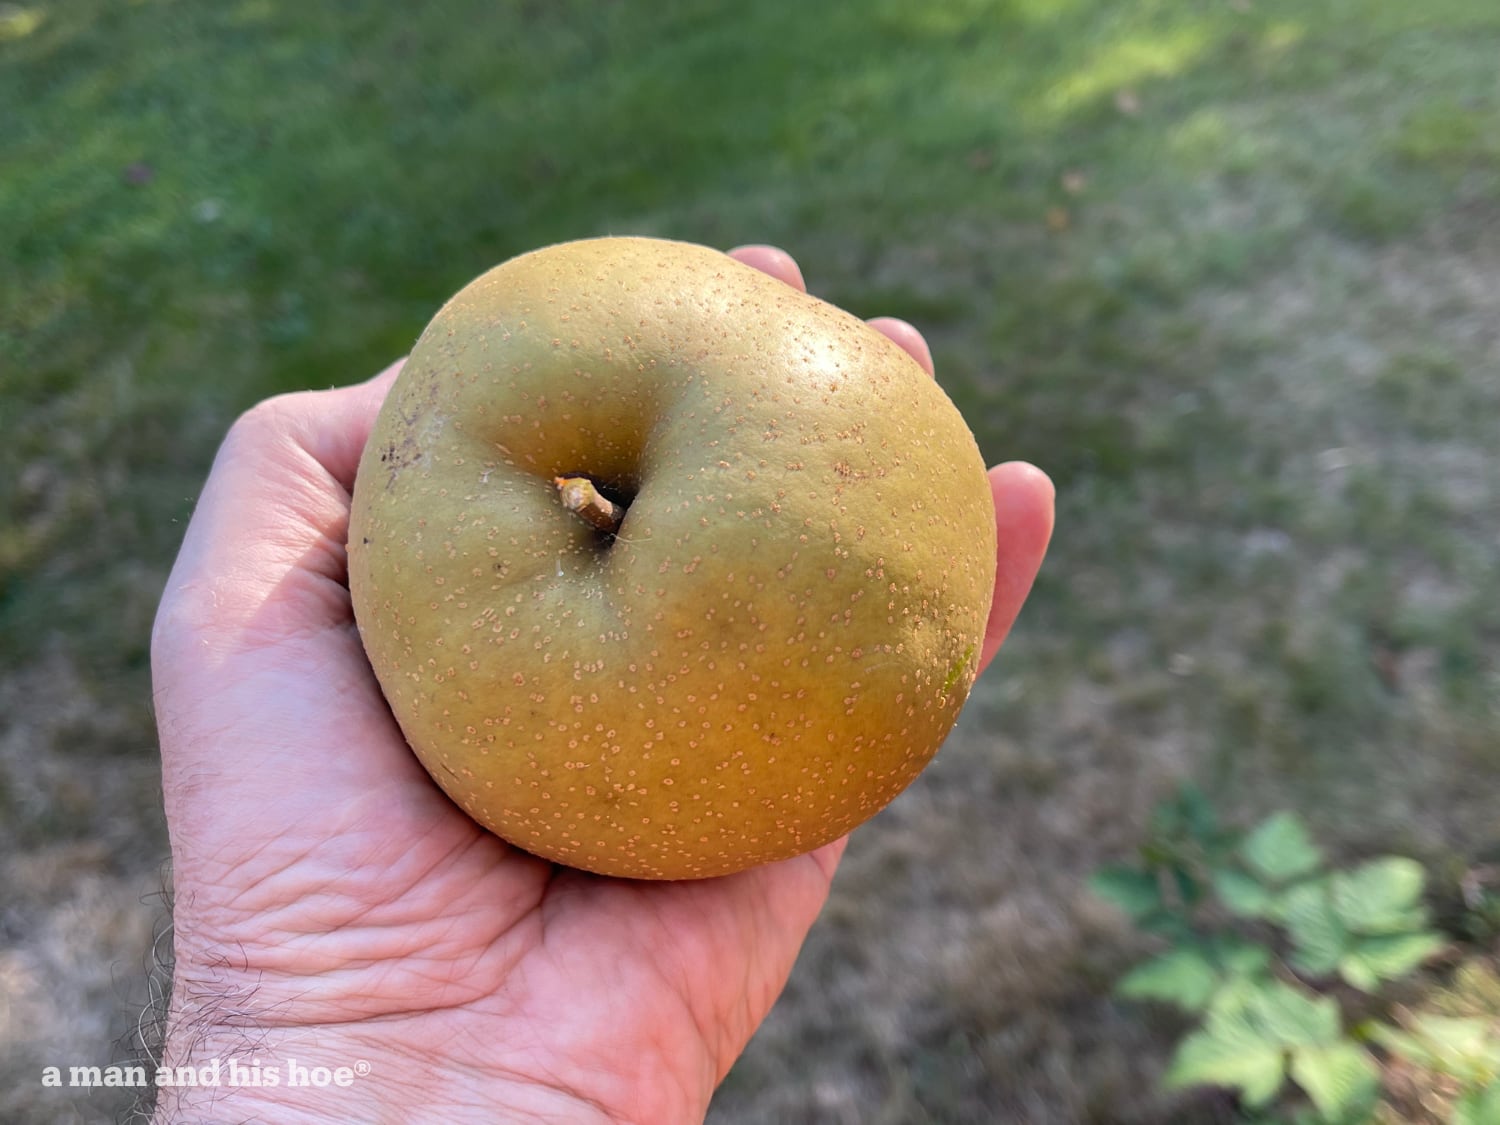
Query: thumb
[[266, 540], [255, 634]]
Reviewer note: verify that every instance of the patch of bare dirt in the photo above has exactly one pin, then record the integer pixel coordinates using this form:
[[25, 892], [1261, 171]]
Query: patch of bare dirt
[[80, 873]]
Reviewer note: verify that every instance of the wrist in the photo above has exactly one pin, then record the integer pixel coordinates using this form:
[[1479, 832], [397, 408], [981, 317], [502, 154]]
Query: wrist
[[315, 1076], [248, 1040], [234, 1054]]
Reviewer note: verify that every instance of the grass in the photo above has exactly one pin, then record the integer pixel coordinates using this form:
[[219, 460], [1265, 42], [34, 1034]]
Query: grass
[[1228, 270]]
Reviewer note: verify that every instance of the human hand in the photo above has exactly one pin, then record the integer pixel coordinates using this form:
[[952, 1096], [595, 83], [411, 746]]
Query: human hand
[[334, 907]]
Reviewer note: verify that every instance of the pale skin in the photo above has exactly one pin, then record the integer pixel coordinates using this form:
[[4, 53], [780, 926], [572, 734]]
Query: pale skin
[[332, 906]]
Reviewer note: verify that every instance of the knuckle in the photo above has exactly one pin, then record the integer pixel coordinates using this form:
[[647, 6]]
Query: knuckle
[[271, 417]]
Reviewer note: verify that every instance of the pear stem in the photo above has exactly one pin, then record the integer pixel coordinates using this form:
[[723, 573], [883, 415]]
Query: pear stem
[[579, 495]]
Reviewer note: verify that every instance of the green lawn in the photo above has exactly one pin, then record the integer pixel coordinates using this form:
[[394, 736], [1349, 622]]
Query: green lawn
[[1229, 270]]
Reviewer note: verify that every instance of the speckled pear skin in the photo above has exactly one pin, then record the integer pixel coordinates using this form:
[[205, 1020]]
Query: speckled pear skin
[[785, 627]]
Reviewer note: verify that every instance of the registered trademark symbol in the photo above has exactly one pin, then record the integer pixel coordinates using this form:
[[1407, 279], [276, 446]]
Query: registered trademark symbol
[[361, 1067]]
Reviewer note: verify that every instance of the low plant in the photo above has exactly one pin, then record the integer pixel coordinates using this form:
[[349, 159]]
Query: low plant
[[1288, 964]]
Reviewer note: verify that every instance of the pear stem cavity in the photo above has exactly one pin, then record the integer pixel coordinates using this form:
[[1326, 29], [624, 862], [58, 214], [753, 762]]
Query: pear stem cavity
[[578, 495]]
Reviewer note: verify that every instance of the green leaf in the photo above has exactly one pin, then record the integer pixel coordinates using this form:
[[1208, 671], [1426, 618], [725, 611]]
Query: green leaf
[[1359, 975], [1466, 1046], [1190, 890], [1193, 974], [1198, 819], [1253, 1067], [1479, 1107], [1171, 924], [1251, 1025], [1371, 960], [1291, 1017], [1460, 1047], [1280, 850], [1135, 892], [1340, 1078], [1381, 897], [1269, 1009], [1243, 895], [1319, 939], [1186, 813], [1406, 1046], [1239, 958], [1184, 977]]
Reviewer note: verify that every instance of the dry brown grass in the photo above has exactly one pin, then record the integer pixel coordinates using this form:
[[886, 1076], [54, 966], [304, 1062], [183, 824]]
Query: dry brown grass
[[81, 872]]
